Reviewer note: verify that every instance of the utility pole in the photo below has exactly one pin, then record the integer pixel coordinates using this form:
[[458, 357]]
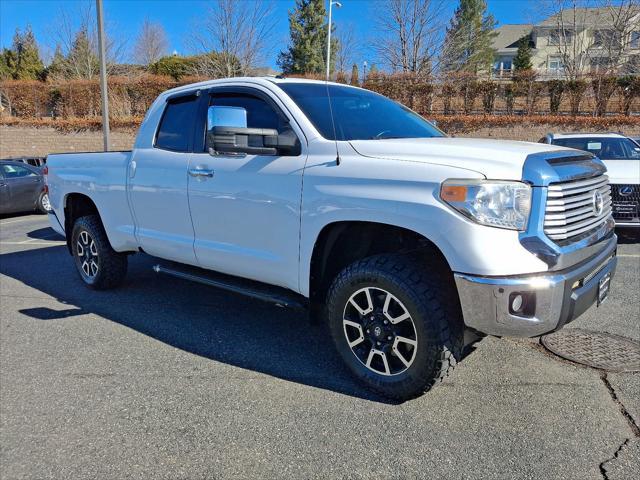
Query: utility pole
[[103, 76], [331, 4]]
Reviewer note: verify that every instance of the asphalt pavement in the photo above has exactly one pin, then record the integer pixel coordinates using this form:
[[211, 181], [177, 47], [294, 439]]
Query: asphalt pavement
[[162, 378]]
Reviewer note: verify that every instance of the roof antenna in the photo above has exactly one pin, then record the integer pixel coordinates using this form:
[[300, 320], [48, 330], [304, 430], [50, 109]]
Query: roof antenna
[[333, 123]]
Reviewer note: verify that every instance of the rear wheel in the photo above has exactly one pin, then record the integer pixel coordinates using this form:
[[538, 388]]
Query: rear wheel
[[99, 266], [396, 325], [44, 206]]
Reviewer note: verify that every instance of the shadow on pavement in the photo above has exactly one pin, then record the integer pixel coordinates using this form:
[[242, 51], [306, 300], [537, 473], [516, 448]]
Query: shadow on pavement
[[201, 320], [46, 233]]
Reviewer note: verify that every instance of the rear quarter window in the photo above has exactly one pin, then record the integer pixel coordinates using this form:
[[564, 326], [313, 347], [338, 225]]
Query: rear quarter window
[[176, 126]]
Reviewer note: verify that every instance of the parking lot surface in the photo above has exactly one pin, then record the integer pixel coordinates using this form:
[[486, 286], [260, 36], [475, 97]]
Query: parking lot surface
[[167, 379]]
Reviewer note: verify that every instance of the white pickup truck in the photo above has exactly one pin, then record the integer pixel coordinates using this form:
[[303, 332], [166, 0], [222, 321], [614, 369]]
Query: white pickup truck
[[339, 200]]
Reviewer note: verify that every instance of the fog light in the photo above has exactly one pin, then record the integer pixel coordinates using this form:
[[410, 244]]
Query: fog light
[[516, 303], [522, 304]]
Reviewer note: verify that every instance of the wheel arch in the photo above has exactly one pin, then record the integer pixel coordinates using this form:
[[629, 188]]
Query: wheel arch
[[77, 205], [341, 243]]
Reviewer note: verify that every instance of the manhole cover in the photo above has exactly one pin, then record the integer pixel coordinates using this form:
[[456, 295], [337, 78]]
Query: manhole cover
[[595, 349]]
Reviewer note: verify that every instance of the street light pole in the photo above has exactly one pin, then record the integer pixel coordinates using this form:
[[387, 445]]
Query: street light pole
[[331, 4], [103, 77]]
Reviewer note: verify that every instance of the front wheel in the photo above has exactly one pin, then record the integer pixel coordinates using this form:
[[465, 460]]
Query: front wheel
[[99, 266], [396, 325]]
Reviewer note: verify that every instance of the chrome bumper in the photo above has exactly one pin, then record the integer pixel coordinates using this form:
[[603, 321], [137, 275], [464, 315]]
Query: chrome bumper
[[558, 297]]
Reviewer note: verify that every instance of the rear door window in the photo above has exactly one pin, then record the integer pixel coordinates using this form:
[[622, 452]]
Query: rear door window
[[15, 171], [177, 124]]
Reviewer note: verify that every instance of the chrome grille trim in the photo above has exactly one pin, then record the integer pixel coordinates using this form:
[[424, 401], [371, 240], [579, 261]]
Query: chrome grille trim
[[570, 209]]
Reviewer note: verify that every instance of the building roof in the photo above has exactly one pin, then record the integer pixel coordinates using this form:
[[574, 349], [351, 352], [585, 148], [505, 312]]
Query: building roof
[[590, 17], [508, 36]]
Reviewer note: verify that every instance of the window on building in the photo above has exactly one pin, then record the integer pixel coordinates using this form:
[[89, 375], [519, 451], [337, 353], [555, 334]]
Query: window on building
[[560, 37], [606, 38], [556, 64], [635, 40], [600, 63]]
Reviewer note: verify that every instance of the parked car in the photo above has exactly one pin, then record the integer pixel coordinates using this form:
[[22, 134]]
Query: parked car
[[22, 188], [338, 200], [621, 156], [33, 161]]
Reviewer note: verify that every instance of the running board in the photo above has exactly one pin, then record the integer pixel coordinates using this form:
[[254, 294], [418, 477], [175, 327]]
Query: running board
[[267, 293]]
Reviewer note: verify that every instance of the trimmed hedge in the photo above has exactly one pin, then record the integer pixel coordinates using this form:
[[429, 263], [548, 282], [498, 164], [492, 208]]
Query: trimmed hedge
[[456, 95], [452, 124]]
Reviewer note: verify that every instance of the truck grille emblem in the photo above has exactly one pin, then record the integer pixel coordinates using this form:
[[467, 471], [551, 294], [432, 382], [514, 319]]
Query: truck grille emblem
[[598, 203]]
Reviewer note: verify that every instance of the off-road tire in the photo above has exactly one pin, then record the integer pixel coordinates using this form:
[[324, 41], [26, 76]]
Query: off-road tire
[[111, 265], [431, 299]]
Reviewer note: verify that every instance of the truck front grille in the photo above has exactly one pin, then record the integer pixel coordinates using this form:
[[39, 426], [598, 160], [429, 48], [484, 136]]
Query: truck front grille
[[576, 207]]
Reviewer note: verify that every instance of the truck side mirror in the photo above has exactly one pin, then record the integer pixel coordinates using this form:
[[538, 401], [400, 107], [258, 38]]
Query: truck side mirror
[[237, 140], [228, 134]]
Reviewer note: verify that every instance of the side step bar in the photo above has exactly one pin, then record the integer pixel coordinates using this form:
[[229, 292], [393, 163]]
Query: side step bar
[[268, 293]]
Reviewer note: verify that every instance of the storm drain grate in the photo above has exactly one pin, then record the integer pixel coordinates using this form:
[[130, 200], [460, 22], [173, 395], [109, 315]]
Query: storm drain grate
[[595, 349]]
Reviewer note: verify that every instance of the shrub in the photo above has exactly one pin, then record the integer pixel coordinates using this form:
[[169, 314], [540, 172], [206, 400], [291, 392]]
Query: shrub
[[603, 88], [576, 90], [555, 89], [26, 98], [489, 91], [629, 90]]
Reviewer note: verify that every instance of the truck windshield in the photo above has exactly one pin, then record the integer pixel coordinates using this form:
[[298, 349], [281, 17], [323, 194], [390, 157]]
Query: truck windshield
[[605, 148], [358, 114]]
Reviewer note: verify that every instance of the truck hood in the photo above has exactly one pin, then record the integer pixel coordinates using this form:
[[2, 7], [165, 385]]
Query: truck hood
[[623, 171], [495, 159]]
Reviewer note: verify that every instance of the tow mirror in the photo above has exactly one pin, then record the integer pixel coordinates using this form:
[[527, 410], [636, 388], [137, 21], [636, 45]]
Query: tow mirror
[[228, 134]]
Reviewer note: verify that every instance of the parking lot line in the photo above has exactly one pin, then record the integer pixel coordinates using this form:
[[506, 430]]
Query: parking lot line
[[628, 255], [16, 220], [32, 242]]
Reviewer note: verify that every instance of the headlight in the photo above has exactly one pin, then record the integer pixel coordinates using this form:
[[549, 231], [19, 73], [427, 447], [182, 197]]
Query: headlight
[[490, 202]]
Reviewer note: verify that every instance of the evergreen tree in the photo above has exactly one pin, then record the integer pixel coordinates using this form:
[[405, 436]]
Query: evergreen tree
[[308, 31], [23, 60], [82, 61], [467, 44], [354, 75], [6, 59], [522, 60], [58, 66]]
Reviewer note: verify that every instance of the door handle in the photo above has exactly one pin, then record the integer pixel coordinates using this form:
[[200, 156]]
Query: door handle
[[200, 172]]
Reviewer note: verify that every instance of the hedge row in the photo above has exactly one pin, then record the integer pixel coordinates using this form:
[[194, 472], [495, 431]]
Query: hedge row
[[130, 97], [452, 124]]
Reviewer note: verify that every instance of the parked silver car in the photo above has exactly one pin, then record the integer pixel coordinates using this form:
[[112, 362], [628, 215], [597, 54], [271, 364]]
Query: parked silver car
[[22, 188]]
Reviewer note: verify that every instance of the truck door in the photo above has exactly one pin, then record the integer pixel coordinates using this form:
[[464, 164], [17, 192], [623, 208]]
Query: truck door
[[246, 208], [158, 184]]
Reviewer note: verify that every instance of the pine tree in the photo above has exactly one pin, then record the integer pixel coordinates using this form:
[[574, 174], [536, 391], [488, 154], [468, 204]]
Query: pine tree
[[308, 31], [522, 60], [23, 60], [6, 60], [58, 66], [82, 61], [354, 75], [468, 40]]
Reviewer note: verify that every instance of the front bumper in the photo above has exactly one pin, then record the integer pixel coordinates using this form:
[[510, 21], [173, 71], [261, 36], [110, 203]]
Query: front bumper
[[559, 297]]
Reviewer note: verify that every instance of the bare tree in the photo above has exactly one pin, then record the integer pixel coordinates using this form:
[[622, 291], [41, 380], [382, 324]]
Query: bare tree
[[410, 33], [233, 37], [151, 43], [348, 48], [73, 33]]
